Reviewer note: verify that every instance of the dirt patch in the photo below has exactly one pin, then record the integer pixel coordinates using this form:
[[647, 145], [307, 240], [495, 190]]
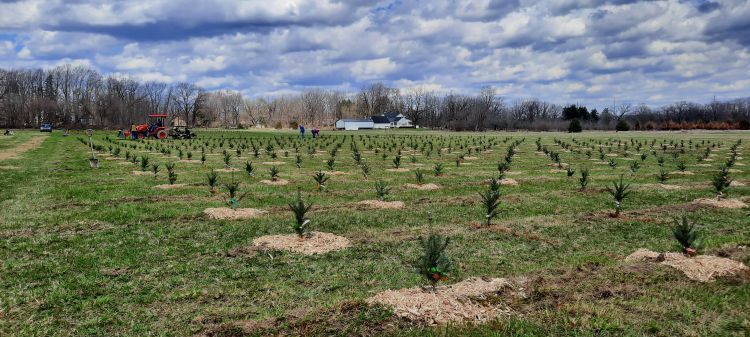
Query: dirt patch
[[514, 173], [702, 165], [471, 158], [508, 182], [557, 171], [723, 203], [398, 169], [381, 204], [169, 186], [685, 173], [314, 243], [143, 173], [191, 161], [335, 173], [273, 163], [30, 144], [732, 184], [703, 268], [279, 182], [223, 213], [231, 169], [423, 187], [113, 158], [457, 303], [9, 167]]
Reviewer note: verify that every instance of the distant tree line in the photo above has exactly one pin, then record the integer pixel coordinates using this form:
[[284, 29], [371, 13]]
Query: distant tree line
[[78, 96]]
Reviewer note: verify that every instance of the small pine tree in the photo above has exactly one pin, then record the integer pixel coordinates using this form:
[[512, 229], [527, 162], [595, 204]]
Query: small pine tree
[[583, 181], [213, 180], [249, 168], [434, 264], [274, 173], [227, 160], [419, 175], [686, 235], [491, 200], [382, 190], [438, 169], [144, 163], [365, 169], [320, 179], [233, 196], [619, 191], [721, 181], [299, 209]]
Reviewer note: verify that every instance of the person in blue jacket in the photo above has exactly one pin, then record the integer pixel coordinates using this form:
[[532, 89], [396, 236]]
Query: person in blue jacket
[[302, 131]]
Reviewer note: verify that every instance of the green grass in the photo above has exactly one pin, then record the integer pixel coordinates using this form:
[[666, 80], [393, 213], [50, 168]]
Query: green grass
[[101, 252]]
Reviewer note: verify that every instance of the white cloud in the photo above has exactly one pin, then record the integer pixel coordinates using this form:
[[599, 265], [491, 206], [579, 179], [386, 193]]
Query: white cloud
[[552, 49]]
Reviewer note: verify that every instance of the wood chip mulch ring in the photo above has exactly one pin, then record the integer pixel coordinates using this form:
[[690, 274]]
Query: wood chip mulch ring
[[169, 186], [224, 213], [313, 243], [423, 187], [381, 204], [721, 203], [279, 182], [508, 182], [454, 303], [335, 173], [702, 268]]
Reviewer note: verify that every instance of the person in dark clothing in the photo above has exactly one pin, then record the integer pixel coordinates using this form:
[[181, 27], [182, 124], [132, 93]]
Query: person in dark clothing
[[302, 131]]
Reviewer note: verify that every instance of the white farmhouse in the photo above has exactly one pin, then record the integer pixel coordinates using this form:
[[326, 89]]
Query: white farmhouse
[[398, 120]]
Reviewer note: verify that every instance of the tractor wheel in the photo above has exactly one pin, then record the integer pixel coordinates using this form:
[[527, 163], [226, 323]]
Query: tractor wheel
[[141, 135], [161, 134]]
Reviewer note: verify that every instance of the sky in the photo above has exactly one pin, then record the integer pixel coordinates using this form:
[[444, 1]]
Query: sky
[[589, 52]]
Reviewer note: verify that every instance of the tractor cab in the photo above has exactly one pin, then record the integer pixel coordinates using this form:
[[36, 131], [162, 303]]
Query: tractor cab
[[153, 128]]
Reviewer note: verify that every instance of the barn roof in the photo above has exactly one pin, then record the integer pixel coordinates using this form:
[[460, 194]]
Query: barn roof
[[380, 119], [356, 120]]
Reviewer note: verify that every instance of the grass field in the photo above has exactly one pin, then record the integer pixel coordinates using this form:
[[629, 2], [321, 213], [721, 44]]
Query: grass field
[[102, 252]]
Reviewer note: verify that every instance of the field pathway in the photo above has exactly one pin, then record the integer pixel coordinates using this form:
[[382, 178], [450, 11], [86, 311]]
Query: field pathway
[[33, 143]]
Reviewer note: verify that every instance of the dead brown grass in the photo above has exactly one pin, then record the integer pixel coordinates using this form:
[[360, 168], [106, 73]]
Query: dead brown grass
[[30, 144]]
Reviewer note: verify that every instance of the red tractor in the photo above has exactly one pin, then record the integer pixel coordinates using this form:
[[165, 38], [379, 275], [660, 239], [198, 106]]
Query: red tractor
[[154, 128]]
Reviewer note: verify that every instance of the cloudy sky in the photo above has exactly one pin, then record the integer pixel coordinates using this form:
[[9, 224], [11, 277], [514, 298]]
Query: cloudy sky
[[565, 51]]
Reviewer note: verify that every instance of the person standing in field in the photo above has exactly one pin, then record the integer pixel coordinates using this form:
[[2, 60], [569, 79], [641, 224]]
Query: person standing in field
[[302, 131], [132, 130]]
